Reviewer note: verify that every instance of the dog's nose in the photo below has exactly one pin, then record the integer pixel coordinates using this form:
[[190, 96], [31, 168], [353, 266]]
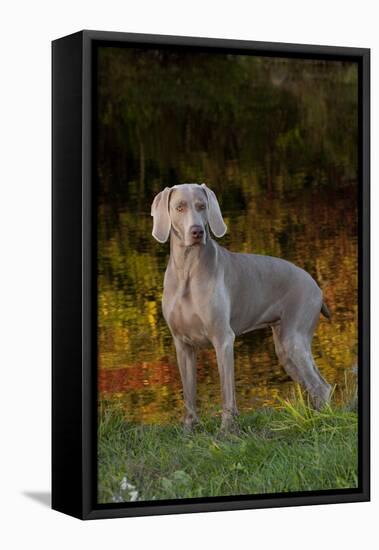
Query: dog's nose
[[197, 232]]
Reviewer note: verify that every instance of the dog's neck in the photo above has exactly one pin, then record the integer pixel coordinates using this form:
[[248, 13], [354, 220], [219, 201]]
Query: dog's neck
[[186, 259]]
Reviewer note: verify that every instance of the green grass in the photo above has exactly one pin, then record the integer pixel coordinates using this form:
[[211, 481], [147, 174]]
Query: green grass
[[289, 448]]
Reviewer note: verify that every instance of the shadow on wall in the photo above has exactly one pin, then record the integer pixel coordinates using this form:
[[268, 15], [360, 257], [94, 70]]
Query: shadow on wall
[[42, 497]]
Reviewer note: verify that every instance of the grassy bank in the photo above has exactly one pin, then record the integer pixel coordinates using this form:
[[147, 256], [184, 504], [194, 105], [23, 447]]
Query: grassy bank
[[289, 448]]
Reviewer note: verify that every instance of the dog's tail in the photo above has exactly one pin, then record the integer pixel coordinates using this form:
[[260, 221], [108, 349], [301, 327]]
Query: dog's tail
[[325, 311]]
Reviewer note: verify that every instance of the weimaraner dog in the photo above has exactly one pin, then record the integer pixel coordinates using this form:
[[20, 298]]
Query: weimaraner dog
[[212, 295]]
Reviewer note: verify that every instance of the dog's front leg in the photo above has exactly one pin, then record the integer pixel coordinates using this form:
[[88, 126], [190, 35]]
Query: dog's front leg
[[224, 347], [186, 356]]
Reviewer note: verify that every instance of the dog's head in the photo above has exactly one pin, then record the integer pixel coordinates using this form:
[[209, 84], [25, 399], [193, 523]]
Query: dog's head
[[187, 209]]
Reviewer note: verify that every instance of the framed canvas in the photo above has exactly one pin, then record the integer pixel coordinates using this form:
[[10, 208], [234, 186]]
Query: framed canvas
[[210, 275]]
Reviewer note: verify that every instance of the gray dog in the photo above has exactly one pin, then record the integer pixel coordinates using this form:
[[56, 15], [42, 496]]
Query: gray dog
[[212, 295]]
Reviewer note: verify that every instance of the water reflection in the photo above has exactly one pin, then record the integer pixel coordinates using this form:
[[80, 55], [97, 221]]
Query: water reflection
[[315, 229]]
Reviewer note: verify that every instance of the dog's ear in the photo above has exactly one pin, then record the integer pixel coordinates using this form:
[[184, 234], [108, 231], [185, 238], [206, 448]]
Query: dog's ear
[[216, 223], [160, 213]]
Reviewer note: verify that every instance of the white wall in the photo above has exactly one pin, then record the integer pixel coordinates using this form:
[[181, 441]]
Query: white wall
[[26, 31]]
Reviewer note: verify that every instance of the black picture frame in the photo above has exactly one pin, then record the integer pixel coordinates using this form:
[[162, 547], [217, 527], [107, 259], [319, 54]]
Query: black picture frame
[[74, 411]]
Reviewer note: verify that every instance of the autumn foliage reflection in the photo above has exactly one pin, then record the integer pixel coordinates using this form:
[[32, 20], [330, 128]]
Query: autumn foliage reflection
[[136, 357]]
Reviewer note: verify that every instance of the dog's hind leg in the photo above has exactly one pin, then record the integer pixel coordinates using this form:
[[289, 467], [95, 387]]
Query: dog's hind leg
[[295, 355]]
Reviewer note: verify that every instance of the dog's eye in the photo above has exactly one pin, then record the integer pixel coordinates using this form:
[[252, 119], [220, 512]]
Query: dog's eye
[[180, 208], [201, 207]]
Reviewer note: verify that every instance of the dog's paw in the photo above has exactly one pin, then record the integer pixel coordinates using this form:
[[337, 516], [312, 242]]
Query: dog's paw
[[229, 425], [190, 423], [321, 397]]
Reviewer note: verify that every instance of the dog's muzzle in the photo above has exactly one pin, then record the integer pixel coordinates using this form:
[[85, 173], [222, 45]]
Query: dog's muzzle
[[197, 234]]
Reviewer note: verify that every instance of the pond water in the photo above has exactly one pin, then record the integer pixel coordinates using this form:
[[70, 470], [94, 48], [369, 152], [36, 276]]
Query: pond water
[[314, 228]]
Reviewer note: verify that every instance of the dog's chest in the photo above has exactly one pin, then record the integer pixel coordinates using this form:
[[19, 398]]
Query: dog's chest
[[184, 316]]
